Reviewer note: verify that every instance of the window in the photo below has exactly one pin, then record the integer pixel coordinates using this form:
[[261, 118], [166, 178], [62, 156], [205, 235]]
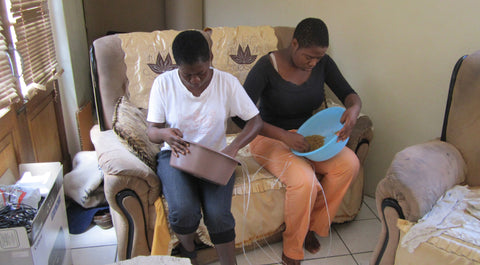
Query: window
[[8, 91], [27, 37]]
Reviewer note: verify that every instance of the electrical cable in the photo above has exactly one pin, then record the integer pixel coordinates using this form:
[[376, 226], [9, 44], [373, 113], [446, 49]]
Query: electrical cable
[[17, 215]]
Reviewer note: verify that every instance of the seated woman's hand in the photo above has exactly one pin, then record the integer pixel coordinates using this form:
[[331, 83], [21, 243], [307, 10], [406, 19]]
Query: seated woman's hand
[[296, 141], [349, 119], [174, 138]]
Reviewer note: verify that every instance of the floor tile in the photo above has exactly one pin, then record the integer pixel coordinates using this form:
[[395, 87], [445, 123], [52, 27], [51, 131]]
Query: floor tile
[[359, 236], [330, 246], [269, 254], [365, 213], [99, 255], [98, 246], [94, 236], [340, 260], [363, 258], [272, 254], [370, 202]]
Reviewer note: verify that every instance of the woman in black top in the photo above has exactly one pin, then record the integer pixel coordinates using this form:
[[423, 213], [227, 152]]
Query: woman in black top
[[289, 86]]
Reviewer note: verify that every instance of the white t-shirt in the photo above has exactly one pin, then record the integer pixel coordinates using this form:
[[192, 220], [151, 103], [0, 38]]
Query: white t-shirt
[[201, 119]]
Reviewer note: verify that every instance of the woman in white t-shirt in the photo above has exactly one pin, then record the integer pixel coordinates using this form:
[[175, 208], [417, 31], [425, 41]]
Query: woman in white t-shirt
[[193, 103]]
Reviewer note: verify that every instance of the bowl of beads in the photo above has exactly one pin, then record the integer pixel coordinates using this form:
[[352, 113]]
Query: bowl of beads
[[320, 131]]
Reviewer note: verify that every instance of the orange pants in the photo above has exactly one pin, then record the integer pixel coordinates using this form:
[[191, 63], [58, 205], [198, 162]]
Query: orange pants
[[305, 208]]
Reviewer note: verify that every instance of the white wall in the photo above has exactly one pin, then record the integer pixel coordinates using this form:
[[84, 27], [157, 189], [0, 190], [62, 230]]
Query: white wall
[[102, 16], [72, 55], [398, 55]]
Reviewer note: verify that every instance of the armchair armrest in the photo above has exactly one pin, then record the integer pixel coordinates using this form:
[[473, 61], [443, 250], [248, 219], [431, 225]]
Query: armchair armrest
[[361, 136], [418, 176], [362, 133], [115, 159], [131, 188]]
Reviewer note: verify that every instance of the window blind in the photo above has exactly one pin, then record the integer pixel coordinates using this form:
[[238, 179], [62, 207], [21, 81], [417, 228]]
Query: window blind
[[34, 41], [8, 92]]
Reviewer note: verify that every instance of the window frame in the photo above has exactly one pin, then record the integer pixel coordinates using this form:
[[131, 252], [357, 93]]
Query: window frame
[[26, 91], [11, 53]]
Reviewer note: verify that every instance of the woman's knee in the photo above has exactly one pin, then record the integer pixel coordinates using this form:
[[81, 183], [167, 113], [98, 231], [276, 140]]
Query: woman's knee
[[299, 175], [218, 221], [351, 162], [184, 219], [346, 164]]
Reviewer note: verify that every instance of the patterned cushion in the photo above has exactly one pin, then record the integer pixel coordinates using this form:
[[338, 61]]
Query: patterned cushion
[[147, 54], [237, 49], [129, 123]]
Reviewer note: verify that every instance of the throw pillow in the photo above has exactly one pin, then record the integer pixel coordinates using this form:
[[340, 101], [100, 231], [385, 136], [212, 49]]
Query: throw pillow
[[129, 123]]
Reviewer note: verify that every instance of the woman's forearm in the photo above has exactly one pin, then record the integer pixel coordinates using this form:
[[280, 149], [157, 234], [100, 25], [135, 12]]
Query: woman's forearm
[[353, 102], [272, 131], [154, 132], [249, 132]]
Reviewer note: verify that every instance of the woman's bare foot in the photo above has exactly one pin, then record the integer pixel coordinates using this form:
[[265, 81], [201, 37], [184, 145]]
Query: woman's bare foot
[[311, 243], [288, 261]]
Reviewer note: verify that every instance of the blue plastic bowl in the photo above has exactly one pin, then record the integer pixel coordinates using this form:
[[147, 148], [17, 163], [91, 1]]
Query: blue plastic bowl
[[326, 123]]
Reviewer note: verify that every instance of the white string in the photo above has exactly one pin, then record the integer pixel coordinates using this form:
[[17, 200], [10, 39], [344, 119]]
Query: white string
[[329, 222], [286, 165], [245, 206], [274, 259], [314, 178], [246, 202]]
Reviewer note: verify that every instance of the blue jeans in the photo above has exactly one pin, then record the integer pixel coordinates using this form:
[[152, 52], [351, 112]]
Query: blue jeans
[[187, 196]]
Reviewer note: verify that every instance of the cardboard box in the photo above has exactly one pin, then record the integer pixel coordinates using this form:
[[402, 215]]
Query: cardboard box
[[48, 242]]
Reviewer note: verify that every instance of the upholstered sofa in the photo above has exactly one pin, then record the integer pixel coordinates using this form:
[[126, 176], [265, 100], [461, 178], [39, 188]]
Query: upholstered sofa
[[123, 68], [427, 200]]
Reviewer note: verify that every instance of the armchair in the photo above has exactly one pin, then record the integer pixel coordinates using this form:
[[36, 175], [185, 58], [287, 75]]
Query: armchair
[[132, 187], [420, 175]]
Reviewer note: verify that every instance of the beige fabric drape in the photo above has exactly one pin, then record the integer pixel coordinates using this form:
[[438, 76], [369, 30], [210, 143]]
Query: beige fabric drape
[[237, 49], [442, 249], [147, 54]]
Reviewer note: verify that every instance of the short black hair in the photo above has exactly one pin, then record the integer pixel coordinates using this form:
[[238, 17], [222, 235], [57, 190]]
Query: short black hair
[[190, 47], [311, 32]]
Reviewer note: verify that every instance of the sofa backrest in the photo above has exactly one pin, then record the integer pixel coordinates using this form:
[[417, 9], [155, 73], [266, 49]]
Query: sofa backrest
[[117, 69], [462, 118]]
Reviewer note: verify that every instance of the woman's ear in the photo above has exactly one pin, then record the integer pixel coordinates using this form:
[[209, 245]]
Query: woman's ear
[[294, 44], [207, 32]]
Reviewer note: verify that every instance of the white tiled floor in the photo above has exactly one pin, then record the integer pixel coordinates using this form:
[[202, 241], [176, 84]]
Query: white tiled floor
[[94, 247], [351, 243]]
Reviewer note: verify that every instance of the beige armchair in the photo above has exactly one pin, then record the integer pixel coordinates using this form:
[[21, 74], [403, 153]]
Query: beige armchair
[[421, 174], [132, 187]]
